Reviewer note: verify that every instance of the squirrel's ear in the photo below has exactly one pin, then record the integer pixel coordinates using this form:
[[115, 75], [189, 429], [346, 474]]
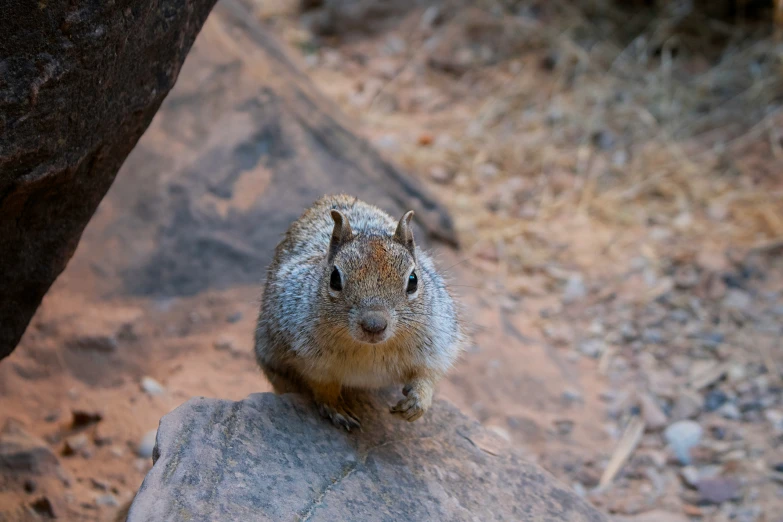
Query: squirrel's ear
[[340, 234], [404, 233]]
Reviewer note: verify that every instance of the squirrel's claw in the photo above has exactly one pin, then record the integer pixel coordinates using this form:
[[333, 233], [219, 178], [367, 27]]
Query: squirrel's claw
[[340, 417], [418, 398], [409, 408]]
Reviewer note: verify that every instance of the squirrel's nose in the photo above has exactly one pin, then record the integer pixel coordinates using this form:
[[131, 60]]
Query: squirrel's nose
[[373, 322]]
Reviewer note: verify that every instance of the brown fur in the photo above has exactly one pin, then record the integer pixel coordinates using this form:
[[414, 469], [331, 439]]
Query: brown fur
[[312, 338]]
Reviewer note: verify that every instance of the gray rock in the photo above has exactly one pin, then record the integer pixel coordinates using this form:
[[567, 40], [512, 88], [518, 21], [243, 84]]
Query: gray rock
[[628, 332], [271, 457], [592, 347], [718, 490], [681, 437], [775, 418], [430, 17], [571, 395], [654, 417], [234, 317], [715, 399], [604, 139], [653, 336], [730, 411], [690, 475], [574, 289], [147, 444], [440, 174], [107, 500], [737, 299], [688, 405]]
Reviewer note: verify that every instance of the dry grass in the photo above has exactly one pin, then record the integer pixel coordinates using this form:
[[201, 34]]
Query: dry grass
[[670, 121], [664, 124]]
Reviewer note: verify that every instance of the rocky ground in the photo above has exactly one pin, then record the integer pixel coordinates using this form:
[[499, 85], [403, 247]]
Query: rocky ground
[[618, 185], [616, 182]]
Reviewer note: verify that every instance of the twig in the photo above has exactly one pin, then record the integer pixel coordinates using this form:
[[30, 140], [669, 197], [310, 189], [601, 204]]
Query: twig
[[623, 451]]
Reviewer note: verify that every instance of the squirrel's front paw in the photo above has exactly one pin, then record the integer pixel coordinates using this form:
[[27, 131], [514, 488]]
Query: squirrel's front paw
[[417, 401], [340, 416]]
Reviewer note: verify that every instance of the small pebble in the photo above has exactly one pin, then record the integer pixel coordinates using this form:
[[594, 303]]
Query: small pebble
[[628, 332], [774, 417], [224, 344], [682, 436], [737, 299], [430, 17], [107, 500], [75, 444], [570, 395], [147, 444], [97, 484], [718, 432], [564, 426], [653, 336], [234, 318], [714, 400], [574, 289], [654, 417], [152, 387], [690, 475], [439, 174], [730, 411], [687, 405], [142, 465], [679, 315], [713, 339], [592, 348], [603, 139], [718, 490], [737, 372], [501, 432]]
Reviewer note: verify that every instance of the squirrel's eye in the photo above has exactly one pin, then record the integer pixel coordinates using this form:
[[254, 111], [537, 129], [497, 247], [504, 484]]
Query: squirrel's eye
[[335, 282], [413, 283]]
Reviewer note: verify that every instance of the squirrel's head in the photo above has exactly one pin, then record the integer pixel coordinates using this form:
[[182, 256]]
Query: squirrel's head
[[371, 282]]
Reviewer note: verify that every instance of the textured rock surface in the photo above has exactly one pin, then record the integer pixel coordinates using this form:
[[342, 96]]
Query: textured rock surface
[[79, 83], [272, 458]]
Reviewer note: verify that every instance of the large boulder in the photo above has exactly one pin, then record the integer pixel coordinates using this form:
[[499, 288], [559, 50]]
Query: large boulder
[[271, 457], [79, 84]]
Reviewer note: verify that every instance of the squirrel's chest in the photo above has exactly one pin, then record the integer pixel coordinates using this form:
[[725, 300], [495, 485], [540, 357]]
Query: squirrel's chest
[[370, 367]]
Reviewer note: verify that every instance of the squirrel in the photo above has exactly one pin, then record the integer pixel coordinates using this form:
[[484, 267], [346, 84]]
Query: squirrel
[[351, 302]]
